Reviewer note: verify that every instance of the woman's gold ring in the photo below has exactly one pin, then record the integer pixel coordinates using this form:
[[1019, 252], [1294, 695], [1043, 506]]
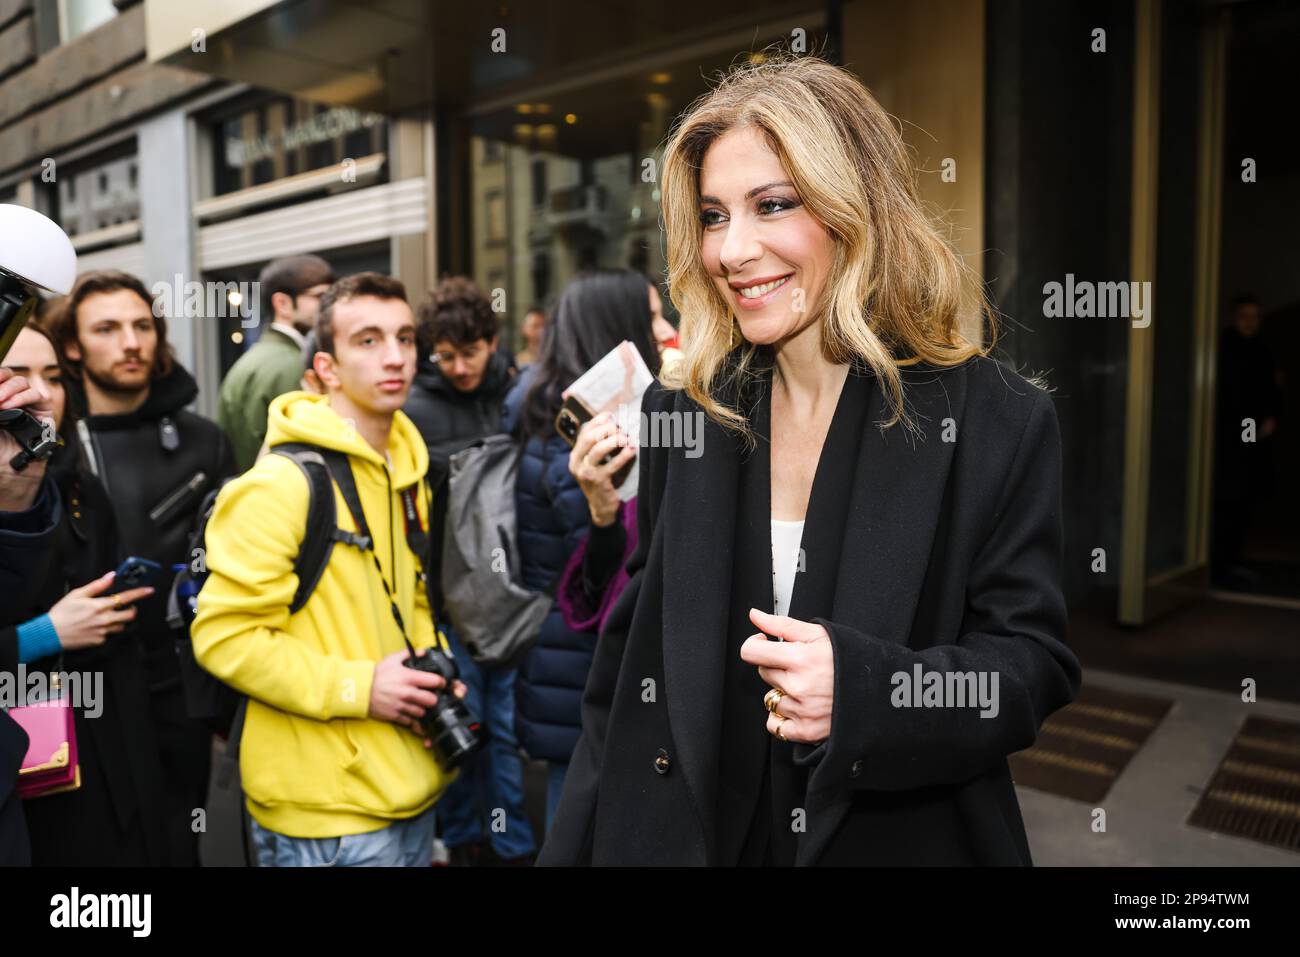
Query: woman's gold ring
[[772, 699], [778, 732], [117, 601]]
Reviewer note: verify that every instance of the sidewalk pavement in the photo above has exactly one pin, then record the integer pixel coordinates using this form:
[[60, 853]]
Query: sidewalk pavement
[[1149, 803], [1146, 808]]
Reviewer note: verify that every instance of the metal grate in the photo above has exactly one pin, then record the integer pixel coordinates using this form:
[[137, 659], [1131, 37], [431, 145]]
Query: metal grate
[[1082, 748], [1255, 793]]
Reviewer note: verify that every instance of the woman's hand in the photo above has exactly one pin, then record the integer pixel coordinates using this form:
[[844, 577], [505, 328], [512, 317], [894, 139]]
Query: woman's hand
[[597, 438], [802, 666], [83, 619]]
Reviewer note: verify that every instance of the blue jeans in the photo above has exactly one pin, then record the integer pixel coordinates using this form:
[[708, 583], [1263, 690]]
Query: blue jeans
[[488, 796], [407, 843]]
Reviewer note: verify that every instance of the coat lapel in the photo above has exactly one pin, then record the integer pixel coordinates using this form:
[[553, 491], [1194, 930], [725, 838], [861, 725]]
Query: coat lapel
[[890, 518], [698, 536]]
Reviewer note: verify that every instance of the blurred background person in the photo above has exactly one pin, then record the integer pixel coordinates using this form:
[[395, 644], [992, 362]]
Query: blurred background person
[[531, 329], [68, 622], [595, 576], [290, 294], [462, 378], [1243, 474], [459, 391], [157, 461], [596, 311]]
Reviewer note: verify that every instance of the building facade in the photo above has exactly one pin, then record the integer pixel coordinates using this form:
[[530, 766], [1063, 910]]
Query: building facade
[[518, 143]]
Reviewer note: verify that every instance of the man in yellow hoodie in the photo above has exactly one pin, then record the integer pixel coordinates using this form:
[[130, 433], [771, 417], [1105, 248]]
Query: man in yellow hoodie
[[334, 767]]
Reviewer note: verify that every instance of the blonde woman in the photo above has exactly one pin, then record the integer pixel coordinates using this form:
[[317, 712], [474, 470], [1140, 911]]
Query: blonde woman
[[845, 609]]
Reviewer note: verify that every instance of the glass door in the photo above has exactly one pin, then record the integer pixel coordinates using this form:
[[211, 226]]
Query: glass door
[[1177, 169]]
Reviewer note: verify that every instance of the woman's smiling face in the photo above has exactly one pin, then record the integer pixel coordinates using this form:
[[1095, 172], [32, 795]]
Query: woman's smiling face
[[766, 253]]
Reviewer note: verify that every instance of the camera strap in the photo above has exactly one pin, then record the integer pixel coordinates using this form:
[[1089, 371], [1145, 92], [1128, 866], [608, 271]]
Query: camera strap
[[416, 538]]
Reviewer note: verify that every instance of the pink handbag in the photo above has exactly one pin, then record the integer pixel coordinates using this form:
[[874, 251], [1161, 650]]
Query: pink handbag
[[50, 766]]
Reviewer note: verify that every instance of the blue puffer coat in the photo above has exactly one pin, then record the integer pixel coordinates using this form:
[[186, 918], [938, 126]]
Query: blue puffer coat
[[553, 519]]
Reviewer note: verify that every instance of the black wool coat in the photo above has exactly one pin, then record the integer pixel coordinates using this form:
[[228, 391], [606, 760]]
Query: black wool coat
[[115, 817], [950, 558]]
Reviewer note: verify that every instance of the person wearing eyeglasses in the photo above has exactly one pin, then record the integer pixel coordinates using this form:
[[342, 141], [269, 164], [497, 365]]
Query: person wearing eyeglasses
[[460, 387]]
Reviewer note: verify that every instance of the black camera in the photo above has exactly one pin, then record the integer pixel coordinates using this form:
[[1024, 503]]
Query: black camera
[[455, 732], [35, 254]]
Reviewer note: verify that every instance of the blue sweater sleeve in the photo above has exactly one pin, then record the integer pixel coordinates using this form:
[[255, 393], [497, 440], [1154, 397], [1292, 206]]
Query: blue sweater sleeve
[[37, 639]]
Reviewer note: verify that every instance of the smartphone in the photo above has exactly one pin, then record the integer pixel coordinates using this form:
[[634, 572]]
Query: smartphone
[[573, 415], [134, 573]]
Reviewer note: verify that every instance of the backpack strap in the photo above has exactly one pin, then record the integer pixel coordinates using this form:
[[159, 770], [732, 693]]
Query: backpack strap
[[313, 554], [322, 520], [417, 539], [341, 469]]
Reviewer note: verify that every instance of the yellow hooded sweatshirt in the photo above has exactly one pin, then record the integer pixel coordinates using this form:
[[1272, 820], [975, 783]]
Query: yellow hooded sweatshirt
[[314, 764]]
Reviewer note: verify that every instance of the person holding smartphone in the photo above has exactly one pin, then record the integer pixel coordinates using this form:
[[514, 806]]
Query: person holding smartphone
[[601, 457], [873, 501], [29, 512], [596, 311], [76, 620]]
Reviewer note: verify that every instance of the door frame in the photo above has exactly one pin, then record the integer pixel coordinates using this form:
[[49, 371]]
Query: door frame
[[1143, 597]]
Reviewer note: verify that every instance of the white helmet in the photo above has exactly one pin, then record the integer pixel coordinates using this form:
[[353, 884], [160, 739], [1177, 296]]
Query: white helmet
[[33, 248]]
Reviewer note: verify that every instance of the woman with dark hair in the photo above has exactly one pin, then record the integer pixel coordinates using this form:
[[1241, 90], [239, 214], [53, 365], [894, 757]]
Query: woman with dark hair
[[596, 311], [595, 575], [70, 623]]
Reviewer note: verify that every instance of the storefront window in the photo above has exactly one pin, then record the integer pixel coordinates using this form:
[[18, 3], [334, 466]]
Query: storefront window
[[570, 181], [574, 188], [274, 137], [99, 193]]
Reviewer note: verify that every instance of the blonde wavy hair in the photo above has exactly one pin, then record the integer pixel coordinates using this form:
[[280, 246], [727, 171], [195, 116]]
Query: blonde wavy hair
[[897, 287]]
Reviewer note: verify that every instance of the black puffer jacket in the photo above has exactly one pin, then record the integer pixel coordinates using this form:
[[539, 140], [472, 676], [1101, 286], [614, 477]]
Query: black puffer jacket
[[157, 464]]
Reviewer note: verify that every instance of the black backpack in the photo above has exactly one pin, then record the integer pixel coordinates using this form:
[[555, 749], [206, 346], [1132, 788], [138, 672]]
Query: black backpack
[[207, 698]]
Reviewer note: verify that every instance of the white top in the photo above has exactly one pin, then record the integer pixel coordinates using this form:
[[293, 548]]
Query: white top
[[786, 537]]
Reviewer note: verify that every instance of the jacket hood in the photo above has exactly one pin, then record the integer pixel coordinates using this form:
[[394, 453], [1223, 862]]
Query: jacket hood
[[167, 396], [495, 377], [303, 417]]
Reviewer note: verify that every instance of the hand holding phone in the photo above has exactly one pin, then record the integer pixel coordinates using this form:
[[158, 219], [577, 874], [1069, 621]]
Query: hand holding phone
[[601, 460], [134, 573], [85, 617]]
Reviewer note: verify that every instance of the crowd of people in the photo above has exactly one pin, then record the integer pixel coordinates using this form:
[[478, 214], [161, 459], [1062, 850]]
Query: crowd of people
[[336, 363], [712, 683]]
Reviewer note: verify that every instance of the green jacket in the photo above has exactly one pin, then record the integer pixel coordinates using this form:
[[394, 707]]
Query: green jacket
[[271, 367]]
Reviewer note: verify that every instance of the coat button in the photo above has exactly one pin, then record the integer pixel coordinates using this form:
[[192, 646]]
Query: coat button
[[856, 770], [662, 762]]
